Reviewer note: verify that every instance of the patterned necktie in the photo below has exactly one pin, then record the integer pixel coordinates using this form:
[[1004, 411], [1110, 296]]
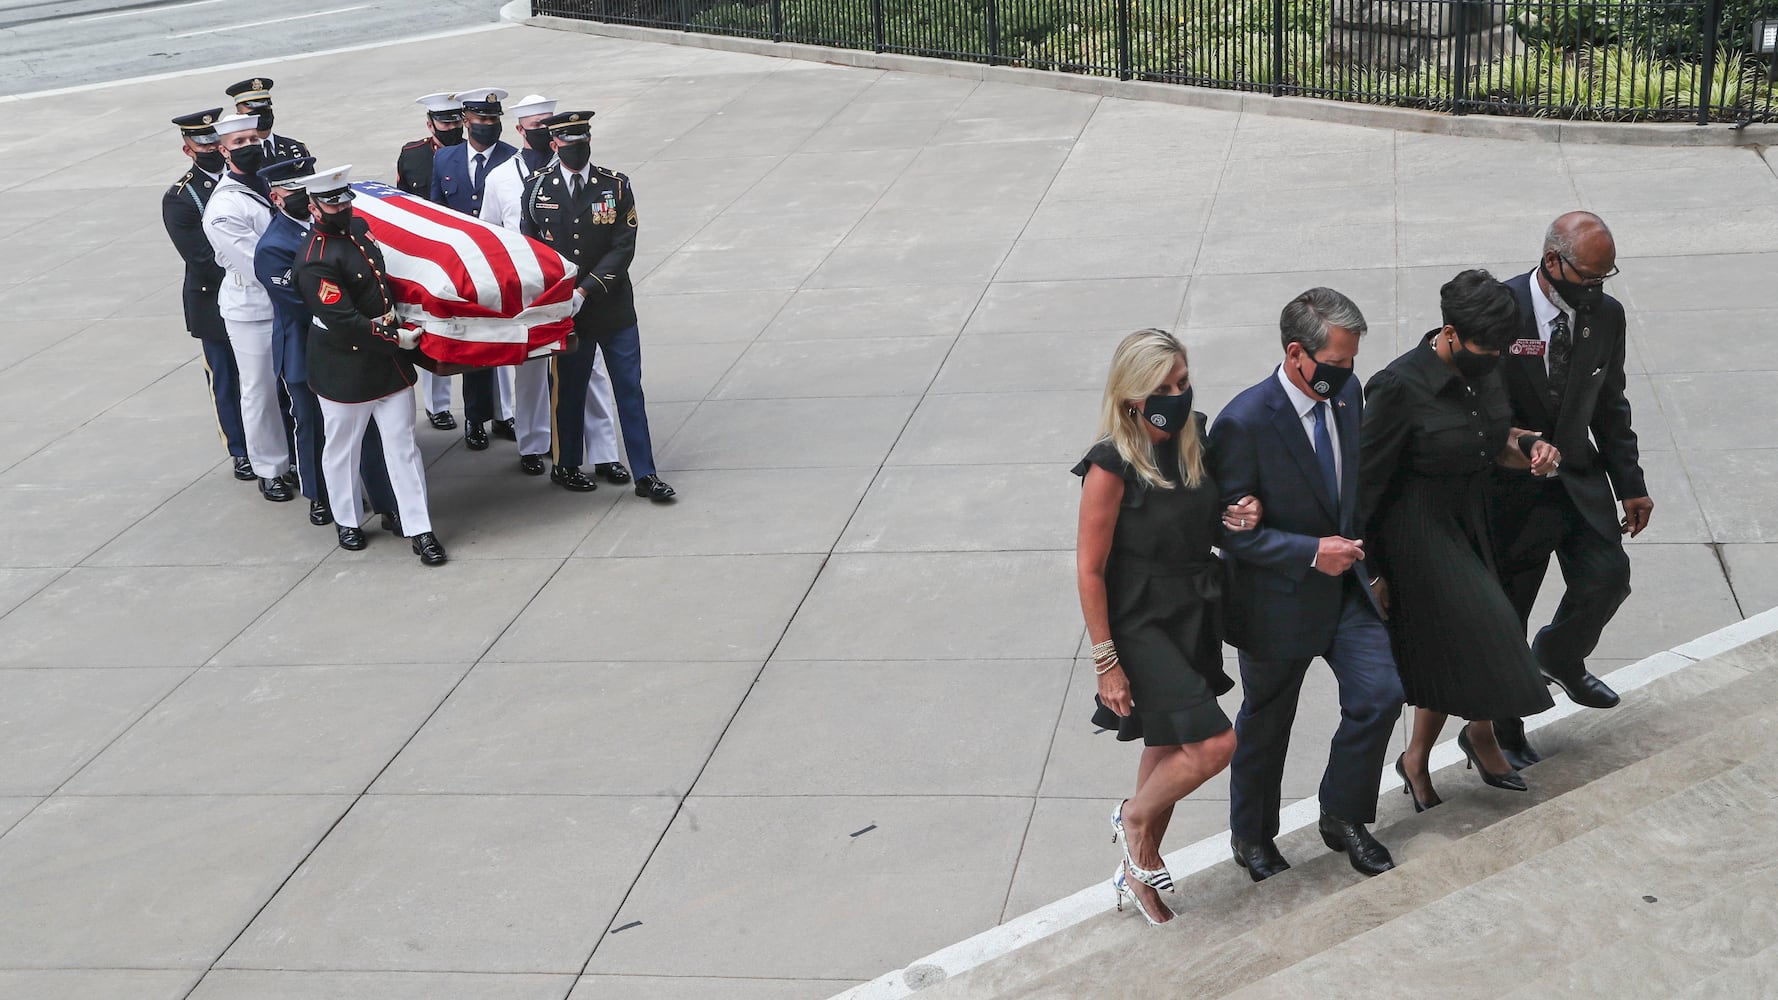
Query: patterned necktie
[[1561, 348], [1324, 454], [475, 179]]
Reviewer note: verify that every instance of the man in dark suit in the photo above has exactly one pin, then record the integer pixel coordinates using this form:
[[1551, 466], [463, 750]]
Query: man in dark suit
[[1565, 375], [413, 174], [459, 175], [1299, 589], [182, 212], [254, 97]]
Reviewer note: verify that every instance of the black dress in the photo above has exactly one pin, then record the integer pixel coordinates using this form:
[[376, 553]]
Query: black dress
[[1429, 444], [1163, 589]]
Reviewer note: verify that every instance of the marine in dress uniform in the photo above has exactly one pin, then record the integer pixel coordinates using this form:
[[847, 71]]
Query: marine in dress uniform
[[182, 212], [531, 402], [254, 97], [359, 366], [459, 174], [588, 214], [239, 211], [413, 174], [274, 263]]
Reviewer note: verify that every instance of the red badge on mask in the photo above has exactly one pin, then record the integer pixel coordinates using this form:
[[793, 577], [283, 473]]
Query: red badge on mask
[[329, 293]]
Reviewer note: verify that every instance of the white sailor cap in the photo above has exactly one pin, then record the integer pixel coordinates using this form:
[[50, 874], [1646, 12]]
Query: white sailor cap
[[332, 186], [481, 100], [230, 124], [535, 104], [436, 103]]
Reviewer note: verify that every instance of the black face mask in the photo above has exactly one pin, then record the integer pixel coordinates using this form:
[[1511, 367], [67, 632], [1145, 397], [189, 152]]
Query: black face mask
[[1469, 364], [246, 160], [485, 135], [1328, 380], [1576, 296], [576, 155], [538, 139], [338, 222], [1168, 414], [210, 160], [452, 136], [296, 205], [265, 118]]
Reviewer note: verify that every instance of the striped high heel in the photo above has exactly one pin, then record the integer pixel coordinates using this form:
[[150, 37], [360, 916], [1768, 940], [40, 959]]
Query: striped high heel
[[1158, 879], [1122, 886]]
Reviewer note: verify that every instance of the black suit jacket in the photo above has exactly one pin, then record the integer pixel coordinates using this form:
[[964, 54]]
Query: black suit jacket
[[1600, 460], [352, 358], [597, 233], [182, 212]]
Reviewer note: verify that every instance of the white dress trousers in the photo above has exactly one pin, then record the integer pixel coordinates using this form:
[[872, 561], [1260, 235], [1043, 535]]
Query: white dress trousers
[[345, 423]]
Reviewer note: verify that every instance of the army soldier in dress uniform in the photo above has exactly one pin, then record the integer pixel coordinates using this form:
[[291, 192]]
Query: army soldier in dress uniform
[[359, 367], [588, 214], [254, 97], [182, 211], [239, 211], [413, 174], [458, 176]]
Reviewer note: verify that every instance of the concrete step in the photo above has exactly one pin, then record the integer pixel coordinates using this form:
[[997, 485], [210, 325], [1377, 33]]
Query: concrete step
[[1233, 933], [1488, 937]]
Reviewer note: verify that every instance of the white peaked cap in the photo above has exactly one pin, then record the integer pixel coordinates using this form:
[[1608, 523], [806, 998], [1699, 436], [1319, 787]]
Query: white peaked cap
[[535, 104], [439, 102], [230, 124], [331, 179], [480, 95]]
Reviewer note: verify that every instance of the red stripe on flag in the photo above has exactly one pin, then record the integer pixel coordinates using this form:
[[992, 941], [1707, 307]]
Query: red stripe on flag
[[505, 271]]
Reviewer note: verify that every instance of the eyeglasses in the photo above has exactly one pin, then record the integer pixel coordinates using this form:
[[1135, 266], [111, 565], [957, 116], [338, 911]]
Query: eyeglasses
[[1585, 278]]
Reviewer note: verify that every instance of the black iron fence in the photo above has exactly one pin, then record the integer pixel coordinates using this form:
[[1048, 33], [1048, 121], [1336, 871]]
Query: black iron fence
[[1615, 60]]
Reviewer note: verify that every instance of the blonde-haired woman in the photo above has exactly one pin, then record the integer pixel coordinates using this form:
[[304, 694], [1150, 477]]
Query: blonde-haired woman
[[1151, 589]]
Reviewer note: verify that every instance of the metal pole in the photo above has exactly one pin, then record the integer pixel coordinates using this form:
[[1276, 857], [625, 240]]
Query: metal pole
[[994, 32], [1460, 57], [1712, 16], [1277, 48], [877, 28], [1123, 39], [777, 10]]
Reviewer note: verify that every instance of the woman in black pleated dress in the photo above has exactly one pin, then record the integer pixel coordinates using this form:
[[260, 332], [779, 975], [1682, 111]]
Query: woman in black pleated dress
[[1151, 590], [1435, 421]]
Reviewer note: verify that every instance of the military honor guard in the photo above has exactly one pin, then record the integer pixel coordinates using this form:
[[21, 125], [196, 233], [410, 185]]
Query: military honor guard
[[588, 214], [531, 404], [182, 212], [459, 174], [237, 214], [254, 97], [359, 366], [413, 174]]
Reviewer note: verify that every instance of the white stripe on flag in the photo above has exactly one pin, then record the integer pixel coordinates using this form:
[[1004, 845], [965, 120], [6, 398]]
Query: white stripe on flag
[[479, 268]]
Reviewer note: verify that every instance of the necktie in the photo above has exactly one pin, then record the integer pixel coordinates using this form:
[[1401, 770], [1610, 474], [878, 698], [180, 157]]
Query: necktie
[[1324, 454], [270, 152], [575, 186], [1561, 348], [475, 179]]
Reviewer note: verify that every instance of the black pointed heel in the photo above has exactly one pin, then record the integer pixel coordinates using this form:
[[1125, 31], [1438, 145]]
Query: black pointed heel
[[1512, 781], [1407, 787]]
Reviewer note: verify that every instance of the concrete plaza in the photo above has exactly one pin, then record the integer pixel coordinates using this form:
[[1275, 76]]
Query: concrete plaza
[[824, 715]]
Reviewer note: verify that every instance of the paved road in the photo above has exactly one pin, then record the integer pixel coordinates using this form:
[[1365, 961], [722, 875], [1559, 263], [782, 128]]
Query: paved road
[[47, 44]]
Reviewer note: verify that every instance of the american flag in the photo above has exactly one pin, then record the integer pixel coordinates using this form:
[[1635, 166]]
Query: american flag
[[483, 295]]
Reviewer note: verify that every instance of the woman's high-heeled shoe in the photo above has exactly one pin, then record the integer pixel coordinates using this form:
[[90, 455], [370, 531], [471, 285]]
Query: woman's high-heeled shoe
[[1120, 883], [1512, 781], [1158, 879], [1407, 787]]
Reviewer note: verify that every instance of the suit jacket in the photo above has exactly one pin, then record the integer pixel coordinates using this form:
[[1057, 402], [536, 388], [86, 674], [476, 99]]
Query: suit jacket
[[1592, 424], [352, 358], [597, 232], [274, 263], [182, 212], [453, 175], [1279, 607], [413, 166]]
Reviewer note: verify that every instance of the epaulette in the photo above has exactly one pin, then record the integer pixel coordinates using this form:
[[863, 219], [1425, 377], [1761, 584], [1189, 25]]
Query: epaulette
[[416, 144], [179, 185], [613, 174]]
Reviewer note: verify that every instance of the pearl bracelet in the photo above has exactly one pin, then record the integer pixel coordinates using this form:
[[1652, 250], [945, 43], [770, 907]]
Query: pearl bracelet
[[1102, 671]]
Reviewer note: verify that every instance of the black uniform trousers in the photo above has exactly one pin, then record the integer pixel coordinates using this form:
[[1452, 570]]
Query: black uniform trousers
[[479, 396], [1533, 519], [569, 376]]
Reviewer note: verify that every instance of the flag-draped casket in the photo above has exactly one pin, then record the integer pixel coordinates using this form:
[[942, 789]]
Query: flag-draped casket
[[484, 295]]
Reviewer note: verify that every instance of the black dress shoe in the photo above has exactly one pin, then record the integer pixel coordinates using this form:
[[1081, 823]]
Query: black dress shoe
[[1260, 858], [351, 539], [291, 478], [392, 524], [276, 490], [442, 420], [1362, 849], [1511, 780], [506, 429], [612, 472], [475, 438], [531, 465], [320, 513], [244, 470], [427, 547], [652, 488], [570, 477], [1518, 751], [1586, 691]]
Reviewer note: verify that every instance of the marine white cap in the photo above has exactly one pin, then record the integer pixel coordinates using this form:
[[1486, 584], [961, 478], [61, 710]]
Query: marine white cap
[[535, 104], [332, 186], [439, 102], [230, 124]]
